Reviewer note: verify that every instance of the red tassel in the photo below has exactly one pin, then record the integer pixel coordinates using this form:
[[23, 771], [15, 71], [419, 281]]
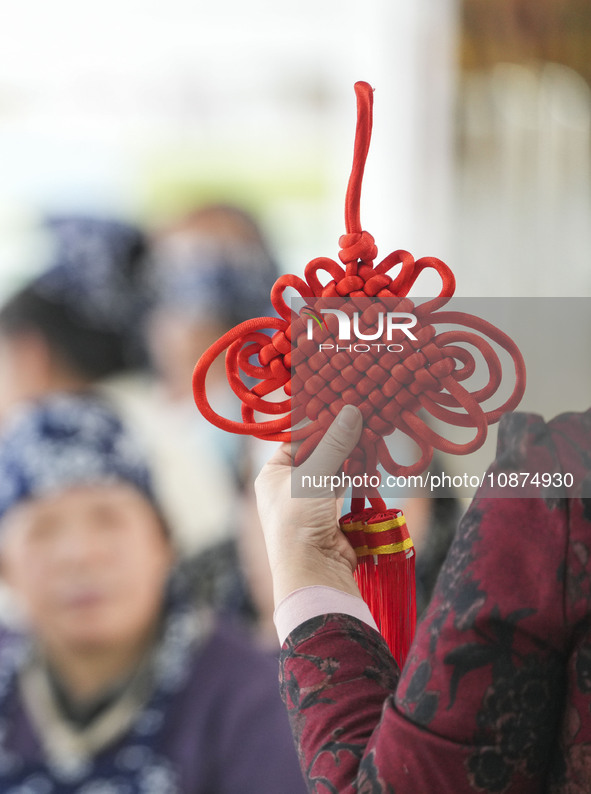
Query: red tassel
[[385, 574]]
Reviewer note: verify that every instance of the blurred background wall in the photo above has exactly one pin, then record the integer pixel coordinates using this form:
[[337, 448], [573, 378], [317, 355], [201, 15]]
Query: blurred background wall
[[523, 189], [145, 108], [480, 152]]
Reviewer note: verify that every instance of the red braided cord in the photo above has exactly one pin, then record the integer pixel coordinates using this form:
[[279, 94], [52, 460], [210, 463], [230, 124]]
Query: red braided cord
[[388, 388], [364, 94]]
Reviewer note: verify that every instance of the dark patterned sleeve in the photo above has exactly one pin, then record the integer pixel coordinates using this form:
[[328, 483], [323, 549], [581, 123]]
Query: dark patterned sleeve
[[477, 705]]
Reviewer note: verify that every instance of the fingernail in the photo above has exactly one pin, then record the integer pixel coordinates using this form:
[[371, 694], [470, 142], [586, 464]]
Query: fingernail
[[348, 417]]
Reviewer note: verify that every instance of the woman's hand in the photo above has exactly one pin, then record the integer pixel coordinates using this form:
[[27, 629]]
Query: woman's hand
[[304, 542]]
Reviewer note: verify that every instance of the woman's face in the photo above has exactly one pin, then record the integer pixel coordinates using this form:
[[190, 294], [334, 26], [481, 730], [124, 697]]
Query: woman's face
[[88, 565]]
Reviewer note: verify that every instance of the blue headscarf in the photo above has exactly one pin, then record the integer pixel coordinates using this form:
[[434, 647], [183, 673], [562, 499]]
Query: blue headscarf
[[205, 276], [96, 270], [66, 440]]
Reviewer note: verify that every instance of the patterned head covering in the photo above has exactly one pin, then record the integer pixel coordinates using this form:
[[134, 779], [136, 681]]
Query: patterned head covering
[[208, 275], [67, 440], [96, 270]]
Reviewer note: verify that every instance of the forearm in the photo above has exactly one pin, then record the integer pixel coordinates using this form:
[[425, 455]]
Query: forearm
[[338, 681], [336, 674]]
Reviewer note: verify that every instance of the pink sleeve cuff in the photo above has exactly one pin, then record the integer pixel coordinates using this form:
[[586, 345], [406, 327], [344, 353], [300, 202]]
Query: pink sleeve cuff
[[313, 601]]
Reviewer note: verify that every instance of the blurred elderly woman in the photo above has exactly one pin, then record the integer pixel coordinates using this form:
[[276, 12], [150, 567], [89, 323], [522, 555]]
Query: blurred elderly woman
[[117, 683]]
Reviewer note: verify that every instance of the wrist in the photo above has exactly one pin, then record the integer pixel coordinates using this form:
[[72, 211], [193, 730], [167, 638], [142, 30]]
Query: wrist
[[305, 567]]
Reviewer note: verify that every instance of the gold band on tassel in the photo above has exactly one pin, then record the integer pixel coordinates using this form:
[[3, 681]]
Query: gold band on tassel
[[392, 548], [366, 550]]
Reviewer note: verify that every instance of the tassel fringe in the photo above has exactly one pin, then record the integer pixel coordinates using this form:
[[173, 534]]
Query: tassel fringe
[[385, 574]]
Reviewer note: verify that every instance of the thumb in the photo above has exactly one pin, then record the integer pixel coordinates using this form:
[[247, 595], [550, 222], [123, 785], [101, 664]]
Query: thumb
[[337, 443]]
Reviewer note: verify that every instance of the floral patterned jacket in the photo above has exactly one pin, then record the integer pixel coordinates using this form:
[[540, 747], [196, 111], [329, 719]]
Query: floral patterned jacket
[[495, 695]]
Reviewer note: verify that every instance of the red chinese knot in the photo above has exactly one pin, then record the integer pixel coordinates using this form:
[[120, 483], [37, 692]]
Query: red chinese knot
[[389, 388], [309, 386]]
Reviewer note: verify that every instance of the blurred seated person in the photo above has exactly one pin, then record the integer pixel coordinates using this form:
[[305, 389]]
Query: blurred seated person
[[234, 577], [115, 681], [80, 323], [212, 269]]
